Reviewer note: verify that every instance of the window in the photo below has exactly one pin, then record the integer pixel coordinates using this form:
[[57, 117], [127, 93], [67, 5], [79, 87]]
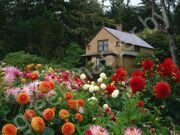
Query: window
[[89, 47], [118, 44], [137, 49], [102, 45]]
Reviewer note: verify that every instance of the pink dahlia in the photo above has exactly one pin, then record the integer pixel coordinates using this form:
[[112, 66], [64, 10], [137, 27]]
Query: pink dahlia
[[12, 70], [9, 79], [132, 131], [12, 92], [96, 130]]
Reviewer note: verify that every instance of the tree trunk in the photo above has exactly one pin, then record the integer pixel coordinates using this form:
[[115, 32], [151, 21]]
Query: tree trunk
[[172, 46], [170, 31]]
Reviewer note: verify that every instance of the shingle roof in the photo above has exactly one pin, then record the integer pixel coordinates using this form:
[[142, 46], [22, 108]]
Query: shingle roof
[[129, 38]]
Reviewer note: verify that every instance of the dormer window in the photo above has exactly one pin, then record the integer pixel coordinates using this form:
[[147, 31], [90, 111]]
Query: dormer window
[[102, 45]]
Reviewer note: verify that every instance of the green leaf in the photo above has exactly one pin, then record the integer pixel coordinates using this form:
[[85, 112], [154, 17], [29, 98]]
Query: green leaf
[[48, 131]]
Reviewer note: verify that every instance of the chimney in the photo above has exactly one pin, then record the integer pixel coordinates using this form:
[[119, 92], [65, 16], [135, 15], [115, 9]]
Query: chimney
[[119, 27]]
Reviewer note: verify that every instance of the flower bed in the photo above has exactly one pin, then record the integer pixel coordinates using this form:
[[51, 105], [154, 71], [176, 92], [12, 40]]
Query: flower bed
[[37, 100]]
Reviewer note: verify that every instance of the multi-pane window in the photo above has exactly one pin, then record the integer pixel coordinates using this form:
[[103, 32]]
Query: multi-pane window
[[102, 45]]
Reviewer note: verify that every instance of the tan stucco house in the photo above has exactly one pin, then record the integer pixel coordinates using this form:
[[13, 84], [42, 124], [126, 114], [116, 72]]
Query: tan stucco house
[[115, 48]]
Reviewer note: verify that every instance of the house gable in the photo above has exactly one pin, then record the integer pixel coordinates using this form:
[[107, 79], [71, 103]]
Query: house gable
[[103, 34]]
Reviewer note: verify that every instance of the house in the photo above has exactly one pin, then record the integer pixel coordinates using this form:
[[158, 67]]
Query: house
[[115, 48]]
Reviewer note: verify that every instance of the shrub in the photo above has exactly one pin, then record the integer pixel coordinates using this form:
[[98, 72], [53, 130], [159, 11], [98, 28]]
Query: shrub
[[21, 58], [72, 57]]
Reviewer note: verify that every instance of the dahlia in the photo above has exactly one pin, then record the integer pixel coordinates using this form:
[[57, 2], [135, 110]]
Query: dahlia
[[83, 76], [166, 68], [68, 96], [147, 64], [23, 98], [176, 75], [80, 102], [12, 70], [79, 117], [138, 73], [140, 104], [12, 92], [162, 90], [137, 84], [9, 79], [103, 86], [63, 114], [38, 124], [29, 114], [68, 128], [72, 104], [34, 75], [46, 86], [48, 114], [120, 75], [9, 129], [38, 66], [110, 88], [132, 131], [96, 130], [115, 94], [103, 76]]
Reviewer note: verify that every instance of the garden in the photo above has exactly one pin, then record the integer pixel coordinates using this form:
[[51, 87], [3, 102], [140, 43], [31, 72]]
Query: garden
[[41, 100]]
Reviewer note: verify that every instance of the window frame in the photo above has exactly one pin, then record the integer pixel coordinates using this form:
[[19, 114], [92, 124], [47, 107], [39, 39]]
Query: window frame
[[103, 46]]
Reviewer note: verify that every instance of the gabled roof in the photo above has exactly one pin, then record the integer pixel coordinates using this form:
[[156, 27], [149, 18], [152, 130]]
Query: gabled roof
[[128, 38]]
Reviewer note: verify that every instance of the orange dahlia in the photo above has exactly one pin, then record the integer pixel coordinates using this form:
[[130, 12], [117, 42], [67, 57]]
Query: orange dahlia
[[79, 117], [46, 86], [80, 102], [38, 124], [68, 128], [162, 90], [9, 129], [68, 96], [23, 98], [34, 75], [72, 104], [48, 114], [38, 66], [63, 114], [29, 114]]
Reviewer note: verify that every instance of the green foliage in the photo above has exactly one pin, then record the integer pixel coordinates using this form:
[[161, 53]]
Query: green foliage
[[153, 38], [21, 58], [72, 57]]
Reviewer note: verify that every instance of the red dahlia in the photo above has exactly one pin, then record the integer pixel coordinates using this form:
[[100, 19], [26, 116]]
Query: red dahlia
[[137, 73], [162, 90], [166, 68], [120, 74], [140, 104], [147, 64], [110, 88], [137, 84]]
